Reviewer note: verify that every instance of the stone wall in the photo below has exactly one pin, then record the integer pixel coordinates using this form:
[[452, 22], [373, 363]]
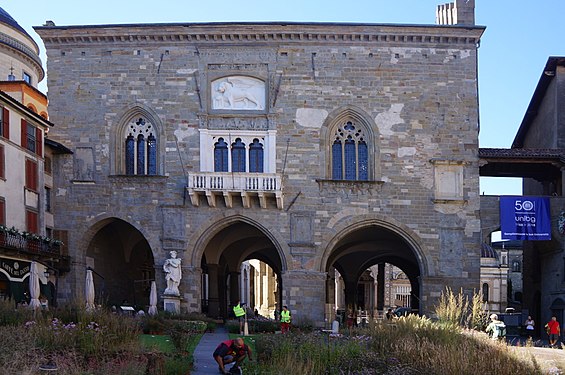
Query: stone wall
[[414, 88]]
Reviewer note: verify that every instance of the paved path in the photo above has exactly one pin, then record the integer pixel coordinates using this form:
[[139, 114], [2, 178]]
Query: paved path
[[204, 363]]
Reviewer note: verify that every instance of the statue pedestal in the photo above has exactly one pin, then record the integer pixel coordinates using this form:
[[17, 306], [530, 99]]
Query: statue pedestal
[[171, 303]]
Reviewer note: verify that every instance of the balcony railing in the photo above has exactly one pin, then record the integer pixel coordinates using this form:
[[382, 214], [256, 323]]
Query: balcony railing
[[230, 185], [16, 241]]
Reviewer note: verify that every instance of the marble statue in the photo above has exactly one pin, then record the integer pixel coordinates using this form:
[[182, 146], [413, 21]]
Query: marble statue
[[173, 274]]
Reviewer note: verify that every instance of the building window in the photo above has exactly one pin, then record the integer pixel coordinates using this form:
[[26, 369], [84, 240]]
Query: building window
[[238, 156], [2, 211], [47, 199], [247, 151], [485, 292], [32, 139], [5, 123], [221, 156], [48, 165], [140, 148], [31, 175], [32, 222], [256, 157], [516, 266], [350, 157], [27, 78], [2, 163]]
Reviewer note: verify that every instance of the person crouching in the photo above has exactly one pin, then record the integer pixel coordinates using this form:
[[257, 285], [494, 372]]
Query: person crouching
[[230, 351]]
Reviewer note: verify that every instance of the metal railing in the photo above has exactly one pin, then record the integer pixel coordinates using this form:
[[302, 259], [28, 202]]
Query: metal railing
[[17, 241]]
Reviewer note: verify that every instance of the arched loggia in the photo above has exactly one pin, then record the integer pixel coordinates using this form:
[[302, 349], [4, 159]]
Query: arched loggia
[[370, 246], [228, 247]]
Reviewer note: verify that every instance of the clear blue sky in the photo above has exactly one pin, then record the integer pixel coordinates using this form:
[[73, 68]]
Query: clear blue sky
[[520, 36]]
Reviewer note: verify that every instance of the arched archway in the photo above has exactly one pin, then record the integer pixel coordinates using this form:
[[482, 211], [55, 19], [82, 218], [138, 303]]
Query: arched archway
[[375, 250], [123, 264], [227, 246]]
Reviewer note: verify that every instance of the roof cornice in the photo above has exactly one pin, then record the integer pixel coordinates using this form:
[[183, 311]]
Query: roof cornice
[[229, 33]]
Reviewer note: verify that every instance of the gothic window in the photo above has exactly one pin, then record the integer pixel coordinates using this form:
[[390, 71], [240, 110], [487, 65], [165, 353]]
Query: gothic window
[[238, 156], [350, 156], [221, 156], [140, 148], [256, 157], [516, 266], [485, 292]]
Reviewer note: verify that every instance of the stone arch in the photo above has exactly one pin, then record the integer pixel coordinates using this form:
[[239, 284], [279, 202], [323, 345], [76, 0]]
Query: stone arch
[[122, 258], [360, 117], [220, 223], [352, 224], [220, 251], [369, 242], [117, 157]]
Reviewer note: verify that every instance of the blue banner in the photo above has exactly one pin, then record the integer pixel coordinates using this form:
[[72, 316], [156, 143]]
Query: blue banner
[[525, 218]]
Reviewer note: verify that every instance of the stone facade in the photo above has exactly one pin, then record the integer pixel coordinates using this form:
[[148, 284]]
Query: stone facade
[[410, 91]]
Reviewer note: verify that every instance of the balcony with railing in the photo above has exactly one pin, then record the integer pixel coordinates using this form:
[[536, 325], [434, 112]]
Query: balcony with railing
[[230, 186], [18, 242]]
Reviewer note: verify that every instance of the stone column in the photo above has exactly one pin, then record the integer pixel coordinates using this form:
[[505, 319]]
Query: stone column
[[213, 291], [381, 287], [191, 288], [234, 289], [304, 292]]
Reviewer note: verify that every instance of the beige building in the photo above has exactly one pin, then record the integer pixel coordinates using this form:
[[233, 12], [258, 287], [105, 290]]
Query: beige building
[[26, 182]]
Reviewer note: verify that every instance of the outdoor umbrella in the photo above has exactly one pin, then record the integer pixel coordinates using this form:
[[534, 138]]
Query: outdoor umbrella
[[153, 299], [34, 287], [89, 290]]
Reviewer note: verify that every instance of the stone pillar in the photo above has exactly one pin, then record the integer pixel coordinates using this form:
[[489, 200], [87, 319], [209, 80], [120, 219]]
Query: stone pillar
[[563, 182], [381, 287], [234, 289], [191, 288], [350, 291], [213, 291], [304, 292]]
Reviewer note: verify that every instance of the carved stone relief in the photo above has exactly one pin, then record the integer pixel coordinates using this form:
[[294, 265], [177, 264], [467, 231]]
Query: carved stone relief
[[239, 93]]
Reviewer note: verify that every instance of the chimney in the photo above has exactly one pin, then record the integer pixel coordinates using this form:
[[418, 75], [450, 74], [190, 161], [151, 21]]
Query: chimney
[[460, 12]]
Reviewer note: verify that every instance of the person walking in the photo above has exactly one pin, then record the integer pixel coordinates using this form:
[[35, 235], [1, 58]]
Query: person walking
[[553, 330], [239, 313], [285, 320], [230, 351], [496, 328]]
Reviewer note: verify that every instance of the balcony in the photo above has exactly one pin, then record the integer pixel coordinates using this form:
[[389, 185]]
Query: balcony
[[244, 186], [17, 242]]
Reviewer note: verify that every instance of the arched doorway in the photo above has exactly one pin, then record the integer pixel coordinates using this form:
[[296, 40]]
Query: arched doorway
[[123, 264], [235, 265], [370, 269]]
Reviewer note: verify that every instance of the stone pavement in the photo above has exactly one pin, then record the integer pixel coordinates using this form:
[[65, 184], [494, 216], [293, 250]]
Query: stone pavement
[[204, 363]]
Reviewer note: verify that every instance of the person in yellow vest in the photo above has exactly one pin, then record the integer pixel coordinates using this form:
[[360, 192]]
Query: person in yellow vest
[[239, 312], [285, 320]]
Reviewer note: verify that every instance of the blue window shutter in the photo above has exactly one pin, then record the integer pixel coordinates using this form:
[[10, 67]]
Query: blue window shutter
[[350, 163], [238, 156], [130, 154], [337, 167], [256, 157], [221, 156], [140, 155], [151, 155], [363, 161]]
